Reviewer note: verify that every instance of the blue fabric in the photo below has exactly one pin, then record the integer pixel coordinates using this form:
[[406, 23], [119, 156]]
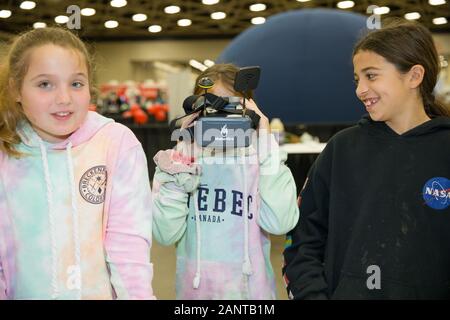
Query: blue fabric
[[306, 64]]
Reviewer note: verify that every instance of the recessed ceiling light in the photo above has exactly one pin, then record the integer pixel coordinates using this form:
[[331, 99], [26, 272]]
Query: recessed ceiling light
[[218, 15], [303, 0], [257, 7], [5, 14], [381, 10], [345, 4], [88, 12], [197, 65], [210, 2], [172, 9], [412, 16], [118, 3], [440, 20], [155, 28], [111, 24], [138, 17], [39, 25], [27, 5], [258, 20], [61, 19], [436, 2], [208, 63], [184, 22]]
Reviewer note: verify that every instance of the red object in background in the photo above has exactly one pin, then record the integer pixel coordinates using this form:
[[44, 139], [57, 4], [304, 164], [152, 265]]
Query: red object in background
[[150, 93], [127, 114], [160, 115], [92, 107], [139, 116], [134, 107], [159, 111], [119, 90]]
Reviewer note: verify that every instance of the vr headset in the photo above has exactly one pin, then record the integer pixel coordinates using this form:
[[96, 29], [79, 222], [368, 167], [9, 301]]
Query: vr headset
[[223, 122]]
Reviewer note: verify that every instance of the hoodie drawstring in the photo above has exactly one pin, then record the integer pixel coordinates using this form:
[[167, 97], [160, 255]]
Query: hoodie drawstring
[[76, 229], [247, 265], [55, 291], [44, 158], [196, 282]]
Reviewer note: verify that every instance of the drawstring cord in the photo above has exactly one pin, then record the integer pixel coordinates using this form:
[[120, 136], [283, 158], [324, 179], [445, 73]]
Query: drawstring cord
[[54, 282]]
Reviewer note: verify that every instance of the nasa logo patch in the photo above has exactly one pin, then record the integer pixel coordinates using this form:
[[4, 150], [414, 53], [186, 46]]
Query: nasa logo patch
[[436, 193]]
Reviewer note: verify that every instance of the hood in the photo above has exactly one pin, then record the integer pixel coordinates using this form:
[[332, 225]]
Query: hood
[[380, 128], [91, 125]]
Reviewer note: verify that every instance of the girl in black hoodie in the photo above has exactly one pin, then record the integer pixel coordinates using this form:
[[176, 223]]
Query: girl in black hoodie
[[375, 209]]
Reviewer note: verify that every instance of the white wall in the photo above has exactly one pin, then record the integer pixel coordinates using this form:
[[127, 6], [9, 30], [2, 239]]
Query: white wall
[[114, 58]]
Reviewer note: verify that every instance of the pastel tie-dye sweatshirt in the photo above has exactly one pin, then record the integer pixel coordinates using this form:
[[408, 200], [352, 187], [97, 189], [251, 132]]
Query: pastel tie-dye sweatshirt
[[220, 220], [75, 217]]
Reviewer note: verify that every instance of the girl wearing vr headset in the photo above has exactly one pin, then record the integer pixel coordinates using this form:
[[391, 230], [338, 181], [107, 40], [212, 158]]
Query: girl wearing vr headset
[[375, 210], [219, 208]]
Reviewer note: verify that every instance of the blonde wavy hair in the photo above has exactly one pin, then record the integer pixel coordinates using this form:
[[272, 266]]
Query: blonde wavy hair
[[13, 70]]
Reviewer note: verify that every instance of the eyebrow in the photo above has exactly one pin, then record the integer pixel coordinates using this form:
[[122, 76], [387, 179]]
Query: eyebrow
[[49, 75], [366, 69]]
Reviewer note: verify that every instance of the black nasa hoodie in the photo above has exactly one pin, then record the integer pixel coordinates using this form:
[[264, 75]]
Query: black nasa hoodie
[[375, 216]]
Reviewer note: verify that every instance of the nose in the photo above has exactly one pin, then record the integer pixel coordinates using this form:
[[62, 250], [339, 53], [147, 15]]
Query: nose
[[361, 89], [63, 96]]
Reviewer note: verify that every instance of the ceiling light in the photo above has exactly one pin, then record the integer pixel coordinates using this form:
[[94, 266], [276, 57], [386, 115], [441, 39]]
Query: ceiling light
[[440, 20], [412, 16], [258, 20], [5, 14], [61, 19], [39, 25], [111, 24], [88, 12], [155, 28], [172, 9], [345, 4], [197, 65], [208, 63], [303, 0], [118, 3], [27, 5], [381, 10], [210, 2], [184, 22], [257, 7], [436, 2], [218, 15], [138, 17]]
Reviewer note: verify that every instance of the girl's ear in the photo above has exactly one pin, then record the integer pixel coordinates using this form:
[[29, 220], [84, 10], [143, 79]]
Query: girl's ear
[[416, 74]]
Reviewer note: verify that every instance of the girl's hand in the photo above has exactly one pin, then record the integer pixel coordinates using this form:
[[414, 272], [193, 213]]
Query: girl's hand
[[189, 120], [263, 121]]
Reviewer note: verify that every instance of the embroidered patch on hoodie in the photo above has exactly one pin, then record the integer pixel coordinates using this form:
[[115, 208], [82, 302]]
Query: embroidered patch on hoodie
[[93, 185], [436, 193]]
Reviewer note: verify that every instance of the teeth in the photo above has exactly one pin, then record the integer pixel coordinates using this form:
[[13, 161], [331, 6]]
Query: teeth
[[62, 114], [369, 102]]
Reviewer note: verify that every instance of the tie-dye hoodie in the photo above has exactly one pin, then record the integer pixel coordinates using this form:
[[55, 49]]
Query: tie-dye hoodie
[[220, 220], [75, 217]]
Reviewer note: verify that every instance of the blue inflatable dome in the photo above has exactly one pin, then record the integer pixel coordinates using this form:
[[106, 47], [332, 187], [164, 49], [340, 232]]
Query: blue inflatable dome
[[306, 65]]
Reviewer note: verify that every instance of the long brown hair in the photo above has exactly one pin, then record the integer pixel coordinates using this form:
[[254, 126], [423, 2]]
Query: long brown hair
[[13, 70], [405, 44]]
